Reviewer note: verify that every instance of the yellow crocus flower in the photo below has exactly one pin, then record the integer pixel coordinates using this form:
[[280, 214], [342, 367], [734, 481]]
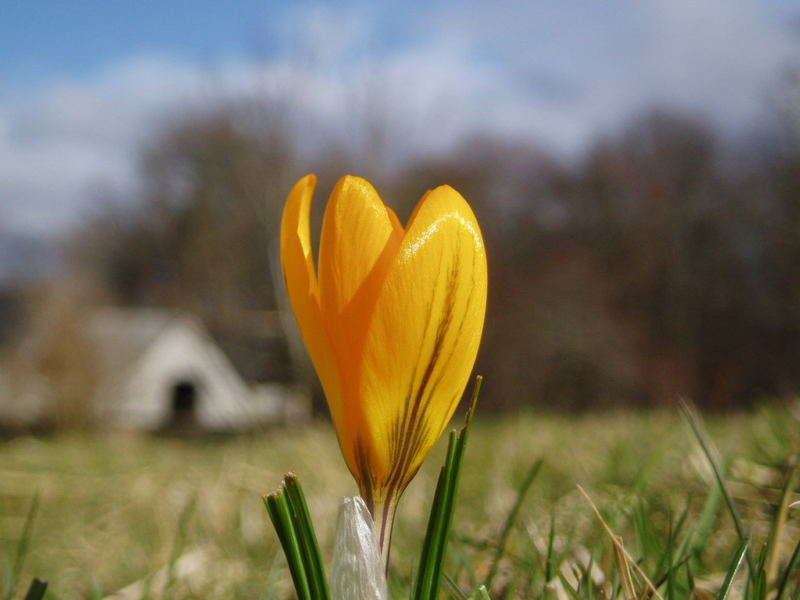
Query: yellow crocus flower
[[392, 319]]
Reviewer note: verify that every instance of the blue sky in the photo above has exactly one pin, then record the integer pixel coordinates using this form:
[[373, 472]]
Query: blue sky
[[83, 82], [44, 39]]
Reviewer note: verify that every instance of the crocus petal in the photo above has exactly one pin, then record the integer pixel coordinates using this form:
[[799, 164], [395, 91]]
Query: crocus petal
[[422, 341], [355, 232], [360, 237], [301, 284]]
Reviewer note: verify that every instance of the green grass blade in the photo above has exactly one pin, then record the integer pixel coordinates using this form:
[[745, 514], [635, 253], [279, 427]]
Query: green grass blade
[[550, 562], [708, 450], [308, 540], [649, 542], [689, 576], [424, 585], [510, 520], [571, 592], [280, 515], [481, 594], [178, 544], [96, 592], [453, 588], [36, 590], [434, 547], [680, 554], [775, 539], [672, 574], [701, 530], [727, 584], [670, 554], [783, 588], [760, 580], [22, 547]]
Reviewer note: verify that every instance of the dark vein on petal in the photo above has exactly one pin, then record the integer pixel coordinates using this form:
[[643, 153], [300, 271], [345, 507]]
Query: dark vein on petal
[[414, 429]]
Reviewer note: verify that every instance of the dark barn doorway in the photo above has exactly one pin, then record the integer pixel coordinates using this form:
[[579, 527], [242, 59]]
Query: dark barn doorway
[[183, 406]]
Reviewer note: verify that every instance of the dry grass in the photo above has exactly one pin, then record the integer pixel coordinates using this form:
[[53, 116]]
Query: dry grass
[[114, 509]]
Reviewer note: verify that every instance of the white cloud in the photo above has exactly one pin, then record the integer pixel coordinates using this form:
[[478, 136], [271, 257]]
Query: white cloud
[[718, 57], [58, 141], [551, 71], [564, 71]]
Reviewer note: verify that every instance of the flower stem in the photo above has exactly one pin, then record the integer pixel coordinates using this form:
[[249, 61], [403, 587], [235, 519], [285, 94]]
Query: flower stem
[[383, 513]]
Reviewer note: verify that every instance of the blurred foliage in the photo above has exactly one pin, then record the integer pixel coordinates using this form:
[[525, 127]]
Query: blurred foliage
[[198, 235], [660, 263]]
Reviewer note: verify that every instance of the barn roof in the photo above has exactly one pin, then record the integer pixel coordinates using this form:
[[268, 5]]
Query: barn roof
[[120, 336]]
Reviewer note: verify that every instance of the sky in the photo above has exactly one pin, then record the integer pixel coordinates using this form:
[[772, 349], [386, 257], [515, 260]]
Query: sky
[[84, 83]]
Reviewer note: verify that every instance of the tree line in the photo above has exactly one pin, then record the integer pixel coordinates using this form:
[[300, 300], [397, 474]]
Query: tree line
[[660, 263]]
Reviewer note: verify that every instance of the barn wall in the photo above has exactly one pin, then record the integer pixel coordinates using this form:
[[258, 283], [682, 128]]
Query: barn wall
[[181, 353]]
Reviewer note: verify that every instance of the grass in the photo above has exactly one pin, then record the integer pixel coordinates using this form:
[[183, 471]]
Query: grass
[[170, 518]]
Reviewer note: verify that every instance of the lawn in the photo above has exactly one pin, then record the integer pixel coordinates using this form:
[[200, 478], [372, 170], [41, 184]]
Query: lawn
[[163, 517]]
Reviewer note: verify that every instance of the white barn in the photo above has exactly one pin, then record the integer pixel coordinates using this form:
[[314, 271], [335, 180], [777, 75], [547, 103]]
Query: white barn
[[158, 370]]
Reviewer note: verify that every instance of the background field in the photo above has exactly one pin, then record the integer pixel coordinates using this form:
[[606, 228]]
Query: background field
[[112, 510]]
